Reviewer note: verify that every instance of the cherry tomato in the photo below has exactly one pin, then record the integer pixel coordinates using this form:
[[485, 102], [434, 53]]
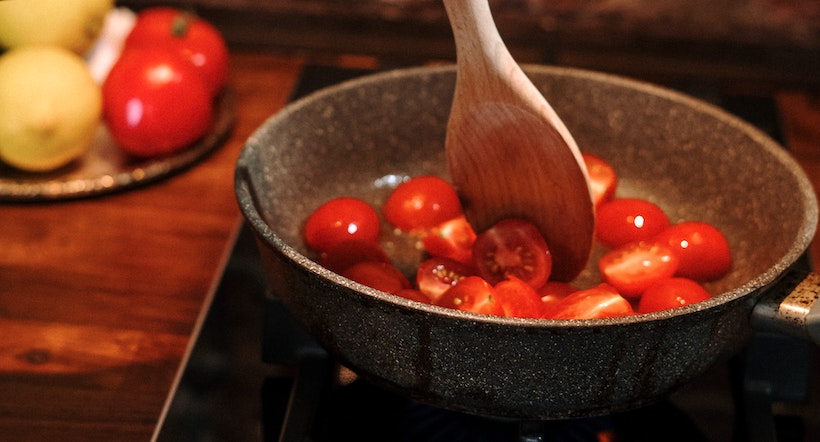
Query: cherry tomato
[[671, 293], [603, 180], [634, 267], [471, 294], [378, 275], [155, 103], [702, 248], [341, 219], [552, 292], [451, 239], [512, 247], [626, 220], [422, 203], [437, 275], [196, 40], [344, 254], [518, 299], [601, 301], [413, 295]]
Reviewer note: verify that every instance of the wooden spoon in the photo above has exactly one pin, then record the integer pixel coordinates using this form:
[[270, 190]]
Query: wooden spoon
[[508, 152]]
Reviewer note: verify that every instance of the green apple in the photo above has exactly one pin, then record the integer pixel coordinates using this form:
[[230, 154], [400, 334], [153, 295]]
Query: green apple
[[72, 24], [50, 106]]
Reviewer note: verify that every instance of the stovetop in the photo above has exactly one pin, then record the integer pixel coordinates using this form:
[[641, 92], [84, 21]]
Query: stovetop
[[235, 385]]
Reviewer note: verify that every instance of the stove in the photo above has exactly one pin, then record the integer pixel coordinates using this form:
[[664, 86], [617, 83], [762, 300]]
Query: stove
[[254, 375]]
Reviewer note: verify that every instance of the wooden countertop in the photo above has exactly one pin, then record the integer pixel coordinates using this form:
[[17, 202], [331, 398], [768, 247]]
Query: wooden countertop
[[98, 297]]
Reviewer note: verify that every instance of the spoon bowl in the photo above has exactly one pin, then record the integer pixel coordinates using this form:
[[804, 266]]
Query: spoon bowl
[[509, 153]]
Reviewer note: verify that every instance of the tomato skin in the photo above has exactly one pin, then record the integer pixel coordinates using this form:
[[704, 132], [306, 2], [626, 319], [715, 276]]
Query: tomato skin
[[671, 293], [154, 103], [512, 247], [626, 220], [703, 250], [421, 203], [603, 180], [344, 254], [452, 239], [378, 275], [471, 294], [552, 292], [601, 301], [437, 275], [413, 295], [196, 40], [341, 219], [518, 299], [632, 268]]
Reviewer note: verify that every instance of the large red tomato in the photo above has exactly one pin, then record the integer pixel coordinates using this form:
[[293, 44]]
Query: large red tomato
[[195, 39], [154, 102], [339, 220], [626, 220], [703, 250]]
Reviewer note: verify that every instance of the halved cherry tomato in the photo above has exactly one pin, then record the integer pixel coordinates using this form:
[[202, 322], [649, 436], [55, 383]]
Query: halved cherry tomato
[[671, 293], [518, 299], [702, 248], [155, 103], [601, 301], [513, 247], [626, 220], [341, 219], [451, 239], [437, 275], [471, 294], [344, 254], [378, 275], [422, 202], [634, 267], [194, 39], [552, 292], [603, 180]]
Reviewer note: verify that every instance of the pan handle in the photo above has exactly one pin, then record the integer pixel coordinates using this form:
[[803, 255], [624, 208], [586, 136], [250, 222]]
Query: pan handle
[[791, 307]]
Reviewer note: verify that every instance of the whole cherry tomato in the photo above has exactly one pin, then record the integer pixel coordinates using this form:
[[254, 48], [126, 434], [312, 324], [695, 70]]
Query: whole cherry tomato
[[702, 248], [471, 294], [626, 220], [513, 247], [193, 38], [603, 181], [422, 203], [154, 102], [635, 266], [671, 293], [341, 219]]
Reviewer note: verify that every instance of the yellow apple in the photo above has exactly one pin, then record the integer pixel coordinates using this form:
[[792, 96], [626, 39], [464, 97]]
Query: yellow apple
[[50, 107], [72, 24]]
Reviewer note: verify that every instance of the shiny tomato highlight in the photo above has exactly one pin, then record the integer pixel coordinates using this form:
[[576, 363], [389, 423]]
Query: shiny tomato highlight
[[671, 293], [421, 203], [626, 220], [155, 103], [341, 219], [632, 268], [703, 250], [601, 301], [471, 294]]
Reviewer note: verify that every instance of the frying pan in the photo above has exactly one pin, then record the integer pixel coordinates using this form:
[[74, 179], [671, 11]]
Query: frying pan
[[697, 162]]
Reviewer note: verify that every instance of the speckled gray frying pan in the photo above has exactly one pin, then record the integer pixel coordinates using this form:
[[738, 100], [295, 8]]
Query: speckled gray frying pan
[[694, 160]]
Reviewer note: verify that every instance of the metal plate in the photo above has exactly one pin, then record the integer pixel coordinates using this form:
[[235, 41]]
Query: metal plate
[[105, 168]]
